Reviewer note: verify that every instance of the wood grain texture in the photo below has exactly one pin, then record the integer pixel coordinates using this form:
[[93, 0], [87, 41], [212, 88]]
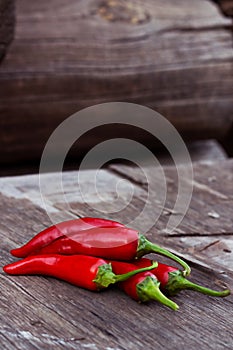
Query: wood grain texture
[[38, 312], [207, 225], [174, 56]]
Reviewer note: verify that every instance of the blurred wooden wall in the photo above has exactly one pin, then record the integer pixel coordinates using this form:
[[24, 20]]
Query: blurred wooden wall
[[173, 56]]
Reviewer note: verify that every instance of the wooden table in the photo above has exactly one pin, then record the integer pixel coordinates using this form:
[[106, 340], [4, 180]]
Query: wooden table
[[172, 56], [45, 313]]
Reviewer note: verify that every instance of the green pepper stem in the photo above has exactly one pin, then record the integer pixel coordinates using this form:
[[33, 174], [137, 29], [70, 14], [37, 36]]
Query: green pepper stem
[[105, 276], [149, 290], [146, 247], [177, 283], [125, 276]]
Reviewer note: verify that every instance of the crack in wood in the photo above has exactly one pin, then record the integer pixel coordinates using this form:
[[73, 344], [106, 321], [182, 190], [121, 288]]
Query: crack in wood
[[146, 36], [198, 234], [140, 184], [197, 29], [209, 245]]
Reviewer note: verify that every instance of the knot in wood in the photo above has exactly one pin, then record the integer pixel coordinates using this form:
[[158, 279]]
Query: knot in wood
[[122, 11]]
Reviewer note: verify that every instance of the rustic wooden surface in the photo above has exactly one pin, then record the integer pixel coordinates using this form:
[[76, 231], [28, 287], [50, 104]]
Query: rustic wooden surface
[[173, 56], [44, 313]]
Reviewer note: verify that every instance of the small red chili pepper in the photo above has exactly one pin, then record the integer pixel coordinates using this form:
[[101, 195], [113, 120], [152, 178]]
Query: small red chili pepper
[[83, 271], [118, 243], [172, 280], [143, 286], [68, 228]]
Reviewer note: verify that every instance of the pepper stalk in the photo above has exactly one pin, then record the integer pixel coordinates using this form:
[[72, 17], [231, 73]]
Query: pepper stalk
[[147, 247], [105, 276]]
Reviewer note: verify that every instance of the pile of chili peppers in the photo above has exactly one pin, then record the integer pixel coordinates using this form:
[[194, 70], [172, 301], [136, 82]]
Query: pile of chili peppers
[[94, 253]]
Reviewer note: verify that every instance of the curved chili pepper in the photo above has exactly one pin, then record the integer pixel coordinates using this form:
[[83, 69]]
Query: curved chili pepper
[[172, 281], [118, 243], [143, 286], [83, 271], [66, 228]]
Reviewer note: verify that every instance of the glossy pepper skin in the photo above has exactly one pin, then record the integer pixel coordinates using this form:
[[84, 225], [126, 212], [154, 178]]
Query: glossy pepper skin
[[109, 243], [172, 280], [67, 228], [141, 287], [114, 243], [83, 271]]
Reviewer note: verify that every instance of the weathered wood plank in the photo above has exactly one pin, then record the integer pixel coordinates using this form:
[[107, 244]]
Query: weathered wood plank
[[174, 56], [45, 312], [209, 215], [206, 228], [94, 321], [48, 312], [38, 312]]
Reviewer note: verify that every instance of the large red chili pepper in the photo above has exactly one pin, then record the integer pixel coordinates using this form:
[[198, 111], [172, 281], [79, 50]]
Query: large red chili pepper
[[172, 280], [118, 243], [143, 286], [68, 228], [83, 271]]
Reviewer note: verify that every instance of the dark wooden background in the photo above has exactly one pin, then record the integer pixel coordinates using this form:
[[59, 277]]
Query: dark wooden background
[[173, 56], [7, 25]]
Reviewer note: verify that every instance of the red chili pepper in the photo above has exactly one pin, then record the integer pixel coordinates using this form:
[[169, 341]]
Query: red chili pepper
[[83, 271], [143, 286], [118, 243], [172, 280], [68, 228]]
